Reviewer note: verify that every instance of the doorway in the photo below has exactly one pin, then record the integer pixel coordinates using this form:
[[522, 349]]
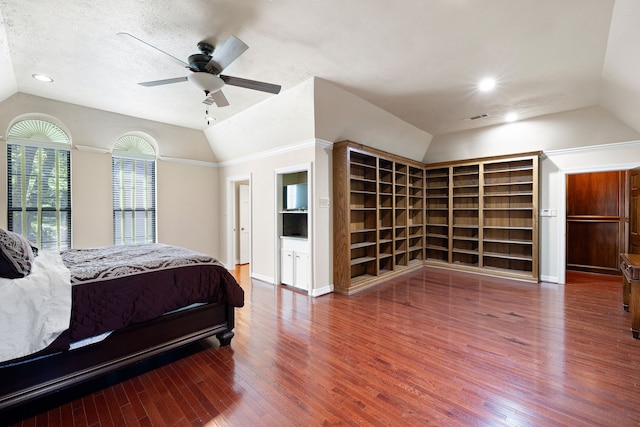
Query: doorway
[[239, 222], [596, 209]]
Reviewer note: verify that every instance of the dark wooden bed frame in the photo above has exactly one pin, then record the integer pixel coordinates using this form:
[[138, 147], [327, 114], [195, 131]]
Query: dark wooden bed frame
[[26, 382]]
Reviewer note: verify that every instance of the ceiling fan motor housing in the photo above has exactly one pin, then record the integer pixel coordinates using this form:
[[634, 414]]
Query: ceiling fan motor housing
[[198, 61]]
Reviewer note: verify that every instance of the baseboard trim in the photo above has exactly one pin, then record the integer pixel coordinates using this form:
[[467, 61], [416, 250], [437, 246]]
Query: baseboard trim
[[263, 278], [321, 291]]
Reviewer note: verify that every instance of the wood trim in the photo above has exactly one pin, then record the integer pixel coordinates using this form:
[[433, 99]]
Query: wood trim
[[25, 382], [516, 156]]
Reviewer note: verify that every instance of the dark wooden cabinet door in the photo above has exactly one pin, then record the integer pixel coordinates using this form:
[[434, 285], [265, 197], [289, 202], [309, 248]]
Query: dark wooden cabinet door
[[595, 221]]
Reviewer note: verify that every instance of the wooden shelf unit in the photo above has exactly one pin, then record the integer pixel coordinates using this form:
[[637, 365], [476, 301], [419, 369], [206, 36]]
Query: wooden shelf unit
[[492, 213], [379, 218], [393, 214], [437, 215], [510, 211]]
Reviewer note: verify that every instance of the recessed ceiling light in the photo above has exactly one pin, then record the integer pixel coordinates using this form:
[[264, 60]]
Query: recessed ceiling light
[[42, 78], [487, 84], [511, 117]]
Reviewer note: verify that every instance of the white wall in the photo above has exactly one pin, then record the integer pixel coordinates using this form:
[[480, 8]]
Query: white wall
[[277, 122], [188, 206], [100, 129], [264, 236], [340, 115], [577, 128], [91, 199], [620, 91], [187, 193], [322, 219]]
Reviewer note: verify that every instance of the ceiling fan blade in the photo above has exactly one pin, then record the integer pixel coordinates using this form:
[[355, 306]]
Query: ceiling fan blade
[[217, 97], [163, 82], [226, 54], [251, 84], [130, 36]]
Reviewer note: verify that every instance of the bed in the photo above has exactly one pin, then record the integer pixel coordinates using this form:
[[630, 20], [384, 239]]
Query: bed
[[127, 304]]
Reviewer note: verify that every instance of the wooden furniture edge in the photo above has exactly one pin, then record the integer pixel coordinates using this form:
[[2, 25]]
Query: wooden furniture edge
[[376, 280], [514, 156], [484, 271], [28, 381]]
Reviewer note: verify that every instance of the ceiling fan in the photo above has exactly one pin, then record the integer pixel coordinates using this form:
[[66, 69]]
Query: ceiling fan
[[206, 67]]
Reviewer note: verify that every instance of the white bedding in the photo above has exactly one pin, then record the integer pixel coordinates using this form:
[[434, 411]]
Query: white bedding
[[36, 309]]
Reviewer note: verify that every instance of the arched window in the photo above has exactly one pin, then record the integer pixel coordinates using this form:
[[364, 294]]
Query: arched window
[[134, 191], [39, 183]]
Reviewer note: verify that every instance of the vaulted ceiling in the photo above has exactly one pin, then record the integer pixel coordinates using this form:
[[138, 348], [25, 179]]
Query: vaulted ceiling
[[419, 60]]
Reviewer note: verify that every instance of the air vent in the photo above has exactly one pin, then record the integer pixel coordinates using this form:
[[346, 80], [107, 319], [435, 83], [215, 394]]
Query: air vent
[[480, 116]]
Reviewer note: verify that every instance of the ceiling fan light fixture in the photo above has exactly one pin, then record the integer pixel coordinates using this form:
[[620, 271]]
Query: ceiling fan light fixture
[[206, 82]]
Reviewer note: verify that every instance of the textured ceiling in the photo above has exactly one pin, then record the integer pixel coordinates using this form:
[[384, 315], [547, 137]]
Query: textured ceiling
[[418, 59]]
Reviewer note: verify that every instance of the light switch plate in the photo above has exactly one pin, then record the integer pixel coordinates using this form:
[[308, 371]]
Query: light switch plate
[[325, 202]]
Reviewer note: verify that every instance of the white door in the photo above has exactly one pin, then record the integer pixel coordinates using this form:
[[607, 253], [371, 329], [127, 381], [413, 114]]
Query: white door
[[245, 223]]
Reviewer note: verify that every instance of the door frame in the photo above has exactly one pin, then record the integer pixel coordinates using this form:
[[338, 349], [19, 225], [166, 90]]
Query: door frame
[[277, 226], [231, 219], [238, 219], [562, 210]]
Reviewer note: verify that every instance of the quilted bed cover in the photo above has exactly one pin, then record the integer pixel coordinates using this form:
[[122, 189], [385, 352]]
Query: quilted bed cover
[[116, 286]]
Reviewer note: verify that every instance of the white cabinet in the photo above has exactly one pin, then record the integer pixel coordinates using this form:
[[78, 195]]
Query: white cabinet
[[286, 267], [294, 263], [301, 270]]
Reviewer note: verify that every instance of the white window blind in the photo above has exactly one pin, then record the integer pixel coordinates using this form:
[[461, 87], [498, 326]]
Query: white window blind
[[134, 201], [39, 183], [39, 195]]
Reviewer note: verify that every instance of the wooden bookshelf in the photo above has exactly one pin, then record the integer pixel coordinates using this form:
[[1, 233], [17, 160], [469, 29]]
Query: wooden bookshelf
[[415, 216], [490, 214], [379, 219], [437, 215], [393, 214], [510, 210], [465, 215]]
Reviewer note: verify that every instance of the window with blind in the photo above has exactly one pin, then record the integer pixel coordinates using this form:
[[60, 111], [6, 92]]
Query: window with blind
[[39, 184], [134, 192]]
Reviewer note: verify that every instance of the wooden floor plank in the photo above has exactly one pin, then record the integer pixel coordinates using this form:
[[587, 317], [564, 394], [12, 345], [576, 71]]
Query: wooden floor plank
[[429, 347]]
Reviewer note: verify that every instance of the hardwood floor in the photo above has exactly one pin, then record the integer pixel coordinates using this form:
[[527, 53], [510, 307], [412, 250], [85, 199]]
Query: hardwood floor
[[430, 347]]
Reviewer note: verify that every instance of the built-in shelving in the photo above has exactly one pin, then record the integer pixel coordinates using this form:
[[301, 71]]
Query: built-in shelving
[[510, 215], [392, 214], [379, 219], [488, 210], [466, 215], [437, 214]]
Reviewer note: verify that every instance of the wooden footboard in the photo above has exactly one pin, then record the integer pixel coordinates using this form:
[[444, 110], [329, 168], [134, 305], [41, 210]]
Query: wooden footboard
[[28, 381]]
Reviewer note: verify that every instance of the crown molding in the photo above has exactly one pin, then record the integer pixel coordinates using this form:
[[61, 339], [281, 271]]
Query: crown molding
[[599, 147], [276, 151]]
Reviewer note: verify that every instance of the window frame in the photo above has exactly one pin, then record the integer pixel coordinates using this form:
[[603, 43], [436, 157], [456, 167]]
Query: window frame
[[62, 242], [151, 236]]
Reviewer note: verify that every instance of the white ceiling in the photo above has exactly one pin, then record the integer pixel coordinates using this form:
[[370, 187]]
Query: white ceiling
[[418, 59]]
